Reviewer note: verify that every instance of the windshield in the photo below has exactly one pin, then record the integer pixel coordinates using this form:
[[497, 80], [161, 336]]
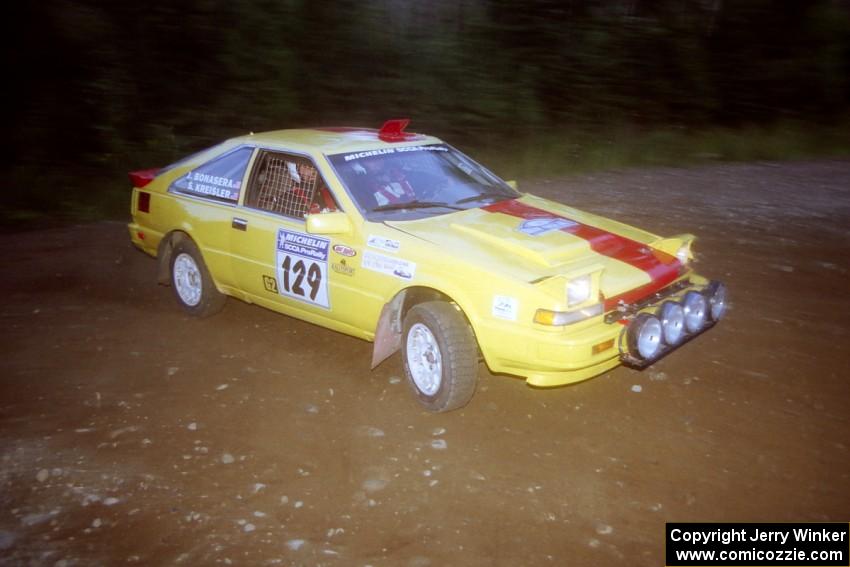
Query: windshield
[[414, 181]]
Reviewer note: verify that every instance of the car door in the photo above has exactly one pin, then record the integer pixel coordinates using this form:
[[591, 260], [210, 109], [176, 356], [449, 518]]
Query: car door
[[276, 262]]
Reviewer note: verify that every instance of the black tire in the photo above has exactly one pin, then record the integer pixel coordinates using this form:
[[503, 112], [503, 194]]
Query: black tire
[[456, 348], [193, 286]]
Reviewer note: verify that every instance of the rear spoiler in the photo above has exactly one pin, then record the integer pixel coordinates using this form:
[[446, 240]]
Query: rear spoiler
[[142, 177]]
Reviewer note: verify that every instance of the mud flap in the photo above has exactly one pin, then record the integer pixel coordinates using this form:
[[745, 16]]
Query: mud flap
[[163, 259], [163, 256], [388, 331]]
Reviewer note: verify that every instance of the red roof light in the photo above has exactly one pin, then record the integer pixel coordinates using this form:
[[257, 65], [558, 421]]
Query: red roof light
[[393, 131]]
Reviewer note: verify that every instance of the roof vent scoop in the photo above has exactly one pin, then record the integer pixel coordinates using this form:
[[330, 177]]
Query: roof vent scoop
[[393, 131]]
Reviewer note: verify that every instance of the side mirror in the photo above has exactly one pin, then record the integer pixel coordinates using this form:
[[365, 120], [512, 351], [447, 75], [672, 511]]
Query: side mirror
[[328, 223], [513, 184]]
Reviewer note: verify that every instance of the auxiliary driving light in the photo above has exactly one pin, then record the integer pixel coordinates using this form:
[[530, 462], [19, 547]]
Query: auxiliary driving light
[[716, 293], [672, 318], [645, 336], [695, 308]]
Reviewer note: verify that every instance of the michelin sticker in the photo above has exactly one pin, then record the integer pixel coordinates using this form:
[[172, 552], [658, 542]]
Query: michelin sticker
[[370, 153], [505, 307], [538, 227], [302, 266], [396, 267], [381, 243]]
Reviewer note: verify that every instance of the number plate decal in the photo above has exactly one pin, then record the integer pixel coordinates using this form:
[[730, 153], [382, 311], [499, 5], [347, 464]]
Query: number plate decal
[[302, 266]]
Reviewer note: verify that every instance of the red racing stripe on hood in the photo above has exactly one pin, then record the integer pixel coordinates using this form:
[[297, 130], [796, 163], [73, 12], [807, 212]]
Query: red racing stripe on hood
[[662, 268]]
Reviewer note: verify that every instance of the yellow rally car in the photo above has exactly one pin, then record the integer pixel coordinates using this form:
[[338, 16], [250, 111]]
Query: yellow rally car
[[400, 239]]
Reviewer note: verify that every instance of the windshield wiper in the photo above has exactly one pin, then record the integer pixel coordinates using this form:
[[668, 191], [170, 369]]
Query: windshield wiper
[[485, 195], [415, 204]]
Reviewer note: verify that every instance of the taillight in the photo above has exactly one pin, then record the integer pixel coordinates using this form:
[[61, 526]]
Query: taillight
[[144, 202], [142, 177]]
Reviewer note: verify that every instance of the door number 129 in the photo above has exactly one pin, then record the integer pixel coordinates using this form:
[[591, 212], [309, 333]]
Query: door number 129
[[295, 274]]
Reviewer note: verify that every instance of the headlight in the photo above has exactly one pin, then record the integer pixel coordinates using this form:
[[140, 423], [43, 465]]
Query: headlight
[[672, 318], [578, 290], [679, 246], [694, 306], [683, 254], [644, 336], [716, 293]]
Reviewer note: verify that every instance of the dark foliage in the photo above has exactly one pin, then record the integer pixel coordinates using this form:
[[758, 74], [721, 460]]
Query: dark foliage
[[99, 87]]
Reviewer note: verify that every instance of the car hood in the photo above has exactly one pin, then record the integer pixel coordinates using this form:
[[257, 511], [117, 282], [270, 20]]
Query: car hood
[[532, 239]]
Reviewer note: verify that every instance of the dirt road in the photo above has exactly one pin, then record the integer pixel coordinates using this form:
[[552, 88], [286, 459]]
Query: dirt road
[[131, 433]]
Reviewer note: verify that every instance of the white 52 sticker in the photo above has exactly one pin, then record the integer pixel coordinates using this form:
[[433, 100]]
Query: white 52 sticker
[[302, 266]]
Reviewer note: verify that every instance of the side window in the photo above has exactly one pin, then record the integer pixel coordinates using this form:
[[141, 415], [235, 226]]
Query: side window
[[220, 178], [288, 185]]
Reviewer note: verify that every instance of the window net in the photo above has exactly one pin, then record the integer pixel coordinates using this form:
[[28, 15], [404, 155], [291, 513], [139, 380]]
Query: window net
[[286, 186]]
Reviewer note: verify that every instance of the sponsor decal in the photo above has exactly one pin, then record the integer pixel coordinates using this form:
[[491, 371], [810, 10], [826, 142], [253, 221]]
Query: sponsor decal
[[538, 227], [385, 244], [270, 284], [397, 267], [344, 250], [305, 245], [342, 268], [505, 307], [360, 155], [302, 266], [662, 268]]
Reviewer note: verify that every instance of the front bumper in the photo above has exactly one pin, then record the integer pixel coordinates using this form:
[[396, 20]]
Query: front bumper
[[554, 357], [627, 315]]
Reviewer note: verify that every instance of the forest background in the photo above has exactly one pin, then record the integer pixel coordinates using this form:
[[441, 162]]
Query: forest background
[[533, 89]]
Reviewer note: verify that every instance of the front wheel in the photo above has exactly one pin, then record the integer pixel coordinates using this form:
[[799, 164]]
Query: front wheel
[[193, 286], [440, 356]]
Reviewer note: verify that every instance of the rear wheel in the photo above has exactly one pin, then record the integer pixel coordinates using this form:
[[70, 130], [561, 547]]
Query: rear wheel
[[440, 356], [193, 286]]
